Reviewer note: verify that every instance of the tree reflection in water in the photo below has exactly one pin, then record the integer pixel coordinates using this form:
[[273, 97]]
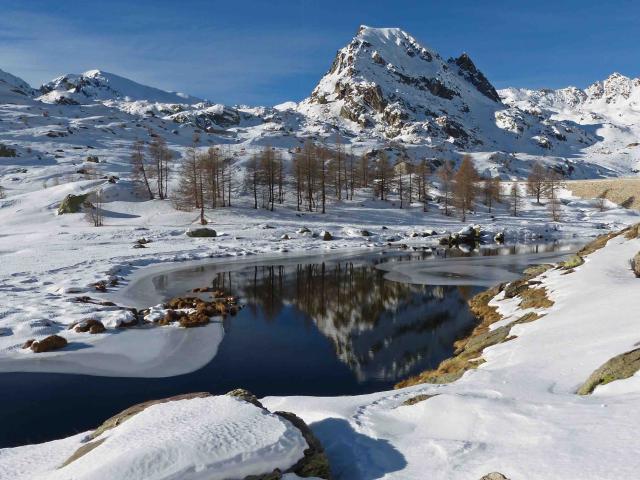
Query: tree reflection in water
[[381, 329]]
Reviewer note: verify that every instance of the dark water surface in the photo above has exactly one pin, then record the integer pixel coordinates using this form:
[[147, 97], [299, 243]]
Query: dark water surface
[[319, 326]]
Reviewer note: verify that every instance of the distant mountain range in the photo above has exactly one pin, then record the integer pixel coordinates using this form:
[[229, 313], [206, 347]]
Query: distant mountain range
[[386, 90]]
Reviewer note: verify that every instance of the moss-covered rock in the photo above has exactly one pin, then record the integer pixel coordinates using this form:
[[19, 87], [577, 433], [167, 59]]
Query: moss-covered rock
[[617, 368], [73, 203]]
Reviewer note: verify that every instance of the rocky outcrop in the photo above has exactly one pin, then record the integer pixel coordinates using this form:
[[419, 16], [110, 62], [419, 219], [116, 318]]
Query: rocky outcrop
[[617, 368], [195, 312], [73, 203], [469, 71]]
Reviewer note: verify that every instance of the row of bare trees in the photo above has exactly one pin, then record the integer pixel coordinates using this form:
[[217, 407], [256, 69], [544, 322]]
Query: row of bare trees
[[318, 174]]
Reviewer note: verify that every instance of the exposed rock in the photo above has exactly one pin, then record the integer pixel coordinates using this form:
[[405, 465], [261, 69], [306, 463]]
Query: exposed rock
[[417, 399], [245, 395], [50, 343], [304, 230], [73, 203], [315, 462], [201, 232], [91, 326], [326, 236], [617, 368], [285, 237], [469, 71], [28, 343]]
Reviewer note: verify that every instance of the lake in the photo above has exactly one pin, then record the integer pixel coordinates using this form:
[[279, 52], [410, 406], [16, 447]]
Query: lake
[[325, 325]]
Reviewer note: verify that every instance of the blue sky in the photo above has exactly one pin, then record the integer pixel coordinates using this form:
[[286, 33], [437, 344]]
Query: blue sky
[[266, 52]]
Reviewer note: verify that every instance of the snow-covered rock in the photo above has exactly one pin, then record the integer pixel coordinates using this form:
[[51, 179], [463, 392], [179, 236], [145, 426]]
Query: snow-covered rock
[[193, 436]]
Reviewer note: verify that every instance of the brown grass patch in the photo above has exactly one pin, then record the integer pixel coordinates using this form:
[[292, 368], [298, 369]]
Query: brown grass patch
[[535, 298]]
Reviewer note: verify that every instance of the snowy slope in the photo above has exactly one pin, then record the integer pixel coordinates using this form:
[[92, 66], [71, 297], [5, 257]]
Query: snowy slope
[[14, 89]]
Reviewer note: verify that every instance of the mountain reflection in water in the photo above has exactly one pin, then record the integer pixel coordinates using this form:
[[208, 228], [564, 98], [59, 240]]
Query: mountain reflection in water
[[381, 329]]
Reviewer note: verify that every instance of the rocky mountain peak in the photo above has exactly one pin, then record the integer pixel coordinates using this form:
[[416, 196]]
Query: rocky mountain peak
[[615, 87], [385, 79]]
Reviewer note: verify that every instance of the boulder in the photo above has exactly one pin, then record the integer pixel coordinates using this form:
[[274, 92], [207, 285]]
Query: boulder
[[202, 232], [365, 233], [616, 368], [91, 326], [50, 343], [499, 237], [304, 230], [73, 203], [635, 264], [285, 237], [326, 236]]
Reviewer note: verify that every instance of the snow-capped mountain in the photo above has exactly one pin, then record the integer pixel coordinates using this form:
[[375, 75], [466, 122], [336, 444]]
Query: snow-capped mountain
[[386, 85], [103, 86], [383, 90], [610, 108]]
